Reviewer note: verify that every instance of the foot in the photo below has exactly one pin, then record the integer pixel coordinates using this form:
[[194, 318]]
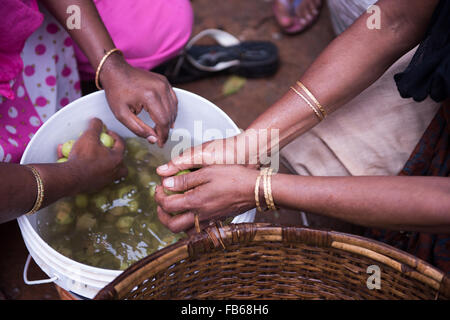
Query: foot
[[294, 16]]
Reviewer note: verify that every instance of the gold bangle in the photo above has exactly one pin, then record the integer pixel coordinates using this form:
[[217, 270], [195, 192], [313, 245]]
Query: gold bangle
[[40, 191], [100, 65], [258, 179], [318, 114], [269, 187], [266, 190], [313, 98]]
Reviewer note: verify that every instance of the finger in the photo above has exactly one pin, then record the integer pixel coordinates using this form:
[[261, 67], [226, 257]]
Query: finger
[[162, 122], [136, 125], [162, 133], [168, 103], [119, 144], [175, 104], [191, 158], [94, 130], [170, 109], [174, 203], [185, 182], [176, 223]]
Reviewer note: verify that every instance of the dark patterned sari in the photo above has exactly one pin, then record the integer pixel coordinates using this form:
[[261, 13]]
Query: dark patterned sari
[[431, 157], [428, 74]]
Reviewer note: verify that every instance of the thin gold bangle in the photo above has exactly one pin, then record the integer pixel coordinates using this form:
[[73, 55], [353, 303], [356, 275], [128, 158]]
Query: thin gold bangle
[[258, 179], [266, 190], [100, 65], [40, 191], [318, 114], [269, 187], [313, 98]]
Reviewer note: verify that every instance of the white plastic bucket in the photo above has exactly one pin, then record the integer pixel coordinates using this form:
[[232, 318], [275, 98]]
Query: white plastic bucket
[[67, 124]]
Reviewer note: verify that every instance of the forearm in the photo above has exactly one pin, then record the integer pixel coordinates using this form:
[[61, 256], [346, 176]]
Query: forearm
[[93, 37], [350, 64], [18, 190], [398, 203]]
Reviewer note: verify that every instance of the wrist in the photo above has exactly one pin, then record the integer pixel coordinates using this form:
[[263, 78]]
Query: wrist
[[59, 180], [114, 66], [252, 189], [73, 176], [256, 145]]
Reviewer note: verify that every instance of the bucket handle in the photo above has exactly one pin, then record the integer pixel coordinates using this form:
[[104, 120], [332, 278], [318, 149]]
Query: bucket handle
[[33, 282]]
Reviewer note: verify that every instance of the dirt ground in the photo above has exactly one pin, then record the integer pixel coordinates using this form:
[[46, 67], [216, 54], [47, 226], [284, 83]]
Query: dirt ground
[[248, 20]]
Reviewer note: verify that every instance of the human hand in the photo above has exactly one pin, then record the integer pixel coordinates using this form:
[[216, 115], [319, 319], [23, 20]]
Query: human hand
[[130, 90], [232, 150], [214, 193], [91, 163]]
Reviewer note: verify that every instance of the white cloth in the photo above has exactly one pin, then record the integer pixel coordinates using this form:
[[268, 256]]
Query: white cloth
[[374, 134], [344, 12]]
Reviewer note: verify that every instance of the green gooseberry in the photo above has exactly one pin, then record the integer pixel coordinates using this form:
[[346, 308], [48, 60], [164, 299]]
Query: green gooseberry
[[101, 202], [124, 224], [132, 145], [155, 227], [64, 217], [118, 211], [147, 179], [67, 147], [81, 200], [152, 190], [141, 154], [62, 205], [107, 140], [179, 173], [131, 172], [133, 206], [156, 160], [86, 221], [124, 265], [127, 192]]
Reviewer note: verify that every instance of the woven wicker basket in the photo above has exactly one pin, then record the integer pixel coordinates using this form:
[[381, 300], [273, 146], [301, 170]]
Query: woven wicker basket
[[261, 261]]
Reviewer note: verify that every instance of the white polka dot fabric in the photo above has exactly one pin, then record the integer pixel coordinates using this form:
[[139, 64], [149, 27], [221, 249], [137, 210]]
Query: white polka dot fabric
[[49, 81]]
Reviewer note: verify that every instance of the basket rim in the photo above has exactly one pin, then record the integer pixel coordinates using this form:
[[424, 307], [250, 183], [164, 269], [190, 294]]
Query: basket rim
[[215, 237]]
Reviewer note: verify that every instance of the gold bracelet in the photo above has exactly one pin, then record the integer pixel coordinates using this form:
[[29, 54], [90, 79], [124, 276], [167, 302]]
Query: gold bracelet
[[266, 190], [40, 191], [100, 65], [318, 114], [258, 179], [269, 191], [313, 98]]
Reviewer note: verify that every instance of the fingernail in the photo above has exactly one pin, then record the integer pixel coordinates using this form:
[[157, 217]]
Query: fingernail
[[169, 182], [164, 167], [152, 139]]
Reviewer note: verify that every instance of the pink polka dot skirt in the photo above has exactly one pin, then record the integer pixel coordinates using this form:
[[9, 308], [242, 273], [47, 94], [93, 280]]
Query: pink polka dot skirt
[[49, 81]]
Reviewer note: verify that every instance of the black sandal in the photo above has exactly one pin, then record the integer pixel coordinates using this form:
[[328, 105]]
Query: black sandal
[[250, 59]]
